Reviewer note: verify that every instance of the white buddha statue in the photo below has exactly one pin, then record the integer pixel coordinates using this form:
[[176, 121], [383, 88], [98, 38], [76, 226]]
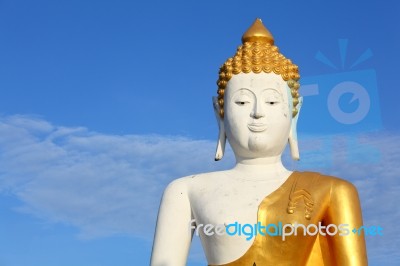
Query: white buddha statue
[[257, 110]]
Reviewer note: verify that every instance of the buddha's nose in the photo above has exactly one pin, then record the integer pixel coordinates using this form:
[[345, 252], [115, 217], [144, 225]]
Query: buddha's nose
[[257, 115], [257, 111]]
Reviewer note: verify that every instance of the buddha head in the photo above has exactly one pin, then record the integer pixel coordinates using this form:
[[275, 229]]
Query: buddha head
[[258, 101]]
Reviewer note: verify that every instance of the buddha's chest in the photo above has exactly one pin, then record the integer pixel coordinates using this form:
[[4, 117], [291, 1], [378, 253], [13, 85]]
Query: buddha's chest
[[227, 203], [250, 203]]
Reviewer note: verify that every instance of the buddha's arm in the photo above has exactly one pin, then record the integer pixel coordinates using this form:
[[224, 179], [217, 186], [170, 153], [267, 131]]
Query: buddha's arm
[[172, 237], [344, 208]]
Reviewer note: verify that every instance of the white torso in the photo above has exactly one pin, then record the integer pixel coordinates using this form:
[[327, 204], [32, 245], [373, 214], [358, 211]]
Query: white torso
[[226, 197]]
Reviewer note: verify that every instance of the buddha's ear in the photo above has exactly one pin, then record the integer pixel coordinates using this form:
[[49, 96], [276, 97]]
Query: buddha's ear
[[293, 143], [221, 135]]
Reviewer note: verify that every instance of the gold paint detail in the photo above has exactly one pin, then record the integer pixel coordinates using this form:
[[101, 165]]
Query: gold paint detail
[[258, 54], [299, 193]]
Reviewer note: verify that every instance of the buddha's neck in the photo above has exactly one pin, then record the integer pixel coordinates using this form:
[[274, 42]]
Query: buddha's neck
[[267, 167]]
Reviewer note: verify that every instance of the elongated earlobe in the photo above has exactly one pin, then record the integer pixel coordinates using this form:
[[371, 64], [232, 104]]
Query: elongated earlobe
[[221, 136], [293, 143], [220, 145], [294, 146]]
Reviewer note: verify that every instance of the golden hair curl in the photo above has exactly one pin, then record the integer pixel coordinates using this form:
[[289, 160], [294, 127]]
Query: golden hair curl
[[259, 57]]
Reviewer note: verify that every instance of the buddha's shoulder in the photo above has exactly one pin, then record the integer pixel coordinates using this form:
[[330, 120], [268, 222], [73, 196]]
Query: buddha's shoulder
[[332, 182], [201, 179]]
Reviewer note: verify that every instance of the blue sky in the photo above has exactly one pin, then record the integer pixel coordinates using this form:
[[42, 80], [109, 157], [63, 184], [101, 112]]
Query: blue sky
[[103, 102]]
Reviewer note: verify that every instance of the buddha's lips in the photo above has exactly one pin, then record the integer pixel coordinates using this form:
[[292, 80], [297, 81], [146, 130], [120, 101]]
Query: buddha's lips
[[255, 127]]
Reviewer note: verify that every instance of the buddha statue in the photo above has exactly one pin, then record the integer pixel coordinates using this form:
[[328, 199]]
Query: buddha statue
[[259, 213]]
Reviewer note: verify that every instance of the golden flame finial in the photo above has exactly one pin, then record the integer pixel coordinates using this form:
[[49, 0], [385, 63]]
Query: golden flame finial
[[258, 33]]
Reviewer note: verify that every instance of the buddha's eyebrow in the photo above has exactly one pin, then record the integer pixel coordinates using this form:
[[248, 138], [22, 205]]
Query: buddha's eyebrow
[[242, 91], [245, 90], [272, 89]]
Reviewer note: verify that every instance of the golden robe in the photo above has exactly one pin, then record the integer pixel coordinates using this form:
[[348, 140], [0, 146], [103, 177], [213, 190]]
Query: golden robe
[[308, 198]]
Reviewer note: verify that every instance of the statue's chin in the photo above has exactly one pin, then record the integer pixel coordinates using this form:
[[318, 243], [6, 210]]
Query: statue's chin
[[261, 147], [257, 145]]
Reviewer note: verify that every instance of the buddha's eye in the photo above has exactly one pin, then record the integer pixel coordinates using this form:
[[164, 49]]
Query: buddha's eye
[[241, 102], [272, 97]]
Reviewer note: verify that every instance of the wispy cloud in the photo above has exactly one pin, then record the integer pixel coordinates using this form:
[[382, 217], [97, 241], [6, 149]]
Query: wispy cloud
[[102, 184], [109, 184]]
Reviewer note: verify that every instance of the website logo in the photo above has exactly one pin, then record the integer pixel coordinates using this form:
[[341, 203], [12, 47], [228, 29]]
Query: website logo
[[281, 230]]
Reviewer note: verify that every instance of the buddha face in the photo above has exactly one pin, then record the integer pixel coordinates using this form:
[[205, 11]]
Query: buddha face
[[258, 114]]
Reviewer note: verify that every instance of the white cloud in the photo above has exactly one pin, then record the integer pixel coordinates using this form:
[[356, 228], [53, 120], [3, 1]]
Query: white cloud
[[109, 184], [102, 184]]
